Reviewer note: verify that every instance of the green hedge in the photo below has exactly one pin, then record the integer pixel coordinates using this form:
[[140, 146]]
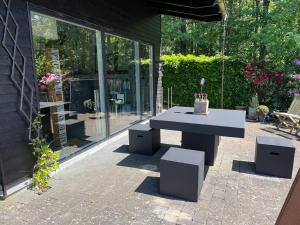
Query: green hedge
[[184, 72]]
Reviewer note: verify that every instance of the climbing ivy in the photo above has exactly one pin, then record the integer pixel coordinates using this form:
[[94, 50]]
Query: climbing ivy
[[46, 159]]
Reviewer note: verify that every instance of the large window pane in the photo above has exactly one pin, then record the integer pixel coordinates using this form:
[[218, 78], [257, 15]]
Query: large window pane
[[68, 77], [122, 80], [146, 80]]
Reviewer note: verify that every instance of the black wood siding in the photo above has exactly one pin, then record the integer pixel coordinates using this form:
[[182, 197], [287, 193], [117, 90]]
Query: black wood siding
[[15, 153], [132, 19]]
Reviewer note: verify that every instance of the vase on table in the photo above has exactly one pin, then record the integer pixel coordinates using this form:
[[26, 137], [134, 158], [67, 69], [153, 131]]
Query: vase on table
[[201, 107]]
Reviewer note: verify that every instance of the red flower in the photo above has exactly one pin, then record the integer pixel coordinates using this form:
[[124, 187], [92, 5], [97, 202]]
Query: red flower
[[278, 77], [259, 79], [248, 73]]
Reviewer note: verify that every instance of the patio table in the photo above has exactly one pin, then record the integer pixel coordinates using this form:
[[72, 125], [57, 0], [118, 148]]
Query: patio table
[[201, 132]]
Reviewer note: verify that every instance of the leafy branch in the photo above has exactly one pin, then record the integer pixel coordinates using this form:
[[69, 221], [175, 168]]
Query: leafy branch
[[46, 158]]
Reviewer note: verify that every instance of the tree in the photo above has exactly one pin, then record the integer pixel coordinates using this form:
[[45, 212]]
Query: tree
[[256, 29]]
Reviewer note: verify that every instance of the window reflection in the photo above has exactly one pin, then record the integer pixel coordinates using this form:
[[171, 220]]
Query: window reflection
[[71, 87], [68, 82], [146, 80], [122, 81]]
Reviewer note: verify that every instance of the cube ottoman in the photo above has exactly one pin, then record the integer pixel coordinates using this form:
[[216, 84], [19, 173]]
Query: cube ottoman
[[182, 173], [274, 156], [143, 139]]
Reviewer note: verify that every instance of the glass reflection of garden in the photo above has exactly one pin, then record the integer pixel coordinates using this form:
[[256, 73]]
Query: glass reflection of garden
[[72, 93]]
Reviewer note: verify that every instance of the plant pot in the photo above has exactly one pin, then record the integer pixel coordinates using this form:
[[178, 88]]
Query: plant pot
[[201, 107], [262, 118], [252, 114], [238, 107]]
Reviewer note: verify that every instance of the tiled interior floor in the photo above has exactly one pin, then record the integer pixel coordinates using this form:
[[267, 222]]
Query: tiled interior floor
[[111, 186]]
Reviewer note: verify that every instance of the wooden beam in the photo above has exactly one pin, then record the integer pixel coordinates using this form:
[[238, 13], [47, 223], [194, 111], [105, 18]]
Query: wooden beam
[[205, 10], [206, 18], [188, 3], [289, 214]]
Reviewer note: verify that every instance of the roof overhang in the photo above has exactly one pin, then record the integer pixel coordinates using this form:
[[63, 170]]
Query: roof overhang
[[203, 10]]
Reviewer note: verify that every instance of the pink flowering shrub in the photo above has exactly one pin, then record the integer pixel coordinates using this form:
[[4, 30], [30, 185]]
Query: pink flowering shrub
[[275, 88], [43, 82], [261, 76]]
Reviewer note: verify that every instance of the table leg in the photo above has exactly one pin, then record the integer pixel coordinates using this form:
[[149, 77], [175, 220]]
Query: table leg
[[202, 142]]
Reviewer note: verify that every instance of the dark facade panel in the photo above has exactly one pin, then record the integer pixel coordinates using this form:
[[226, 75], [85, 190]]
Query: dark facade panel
[[134, 21], [130, 19], [16, 157]]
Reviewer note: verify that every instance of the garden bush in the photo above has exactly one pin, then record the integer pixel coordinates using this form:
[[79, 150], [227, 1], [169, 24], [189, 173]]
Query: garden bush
[[184, 72]]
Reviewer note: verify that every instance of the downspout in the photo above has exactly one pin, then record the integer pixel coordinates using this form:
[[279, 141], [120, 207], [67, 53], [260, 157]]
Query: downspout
[[4, 192], [225, 16]]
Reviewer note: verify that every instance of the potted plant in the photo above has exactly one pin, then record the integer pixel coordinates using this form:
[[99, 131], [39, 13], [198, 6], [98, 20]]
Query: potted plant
[[262, 111], [201, 103], [241, 107], [89, 105], [252, 114]]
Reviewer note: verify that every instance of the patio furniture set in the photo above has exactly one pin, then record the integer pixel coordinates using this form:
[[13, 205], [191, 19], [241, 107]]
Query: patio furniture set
[[182, 168]]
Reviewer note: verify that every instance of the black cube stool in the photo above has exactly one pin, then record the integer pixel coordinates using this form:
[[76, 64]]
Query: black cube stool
[[182, 173], [202, 142], [143, 139], [274, 156]]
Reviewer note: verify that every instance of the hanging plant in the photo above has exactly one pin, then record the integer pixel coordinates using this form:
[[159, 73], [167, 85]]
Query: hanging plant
[[46, 158]]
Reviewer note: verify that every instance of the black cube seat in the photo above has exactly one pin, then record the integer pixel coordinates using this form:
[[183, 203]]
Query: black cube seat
[[75, 128], [202, 142], [182, 173], [143, 139], [274, 156]]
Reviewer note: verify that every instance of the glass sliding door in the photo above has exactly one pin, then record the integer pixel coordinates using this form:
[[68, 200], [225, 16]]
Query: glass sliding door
[[71, 93], [146, 80], [122, 80]]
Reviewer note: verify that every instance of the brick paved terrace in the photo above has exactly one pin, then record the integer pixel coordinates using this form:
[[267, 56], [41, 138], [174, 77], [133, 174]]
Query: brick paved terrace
[[107, 185]]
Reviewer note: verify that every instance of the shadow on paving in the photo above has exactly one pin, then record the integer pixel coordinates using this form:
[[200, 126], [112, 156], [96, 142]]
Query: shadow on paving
[[243, 167], [122, 149], [139, 161], [150, 186], [281, 133], [146, 162], [246, 167]]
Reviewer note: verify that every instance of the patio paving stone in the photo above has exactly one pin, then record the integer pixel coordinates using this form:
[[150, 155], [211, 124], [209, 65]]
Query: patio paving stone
[[112, 186]]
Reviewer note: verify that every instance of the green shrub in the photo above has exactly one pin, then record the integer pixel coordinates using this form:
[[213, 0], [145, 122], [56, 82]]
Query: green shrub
[[46, 159], [262, 110], [183, 74]]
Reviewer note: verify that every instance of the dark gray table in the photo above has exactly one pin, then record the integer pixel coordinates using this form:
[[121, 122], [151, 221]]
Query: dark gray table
[[201, 132]]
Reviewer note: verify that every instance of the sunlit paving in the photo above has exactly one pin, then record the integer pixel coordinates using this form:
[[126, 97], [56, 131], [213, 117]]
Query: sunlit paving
[[149, 112]]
